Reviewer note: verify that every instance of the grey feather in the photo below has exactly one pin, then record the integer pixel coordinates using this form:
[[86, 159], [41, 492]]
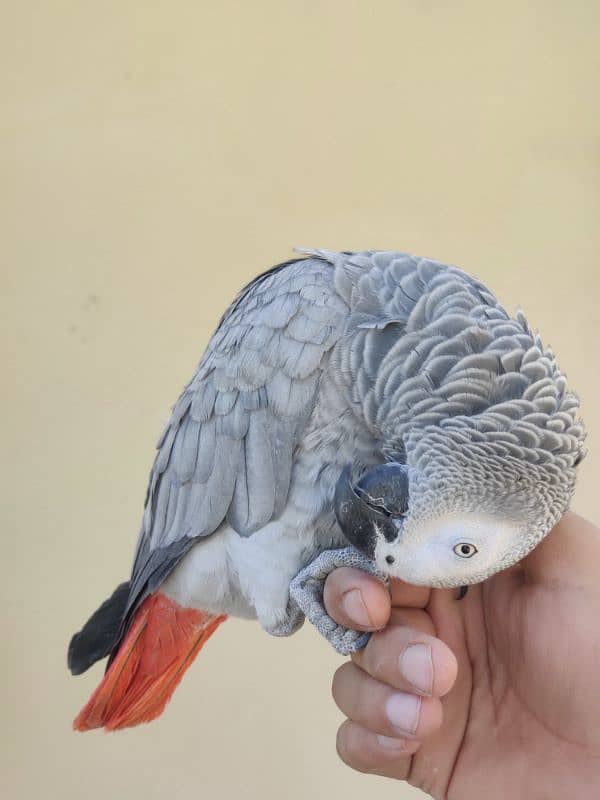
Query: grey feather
[[185, 451], [228, 449], [204, 401], [207, 444]]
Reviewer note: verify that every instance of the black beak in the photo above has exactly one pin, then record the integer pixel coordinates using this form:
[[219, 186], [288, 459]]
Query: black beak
[[368, 509]]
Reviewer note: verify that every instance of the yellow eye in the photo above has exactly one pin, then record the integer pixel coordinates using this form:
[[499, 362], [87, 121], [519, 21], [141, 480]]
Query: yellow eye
[[464, 549]]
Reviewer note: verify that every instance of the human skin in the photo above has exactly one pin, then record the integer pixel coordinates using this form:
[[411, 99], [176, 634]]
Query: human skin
[[509, 704]]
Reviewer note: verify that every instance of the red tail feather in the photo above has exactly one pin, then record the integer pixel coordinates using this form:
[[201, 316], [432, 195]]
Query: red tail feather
[[161, 643]]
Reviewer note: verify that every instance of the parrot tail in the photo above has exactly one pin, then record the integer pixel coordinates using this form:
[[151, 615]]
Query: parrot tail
[[161, 643]]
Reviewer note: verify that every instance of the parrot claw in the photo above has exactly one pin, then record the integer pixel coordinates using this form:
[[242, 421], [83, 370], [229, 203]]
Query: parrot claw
[[306, 592]]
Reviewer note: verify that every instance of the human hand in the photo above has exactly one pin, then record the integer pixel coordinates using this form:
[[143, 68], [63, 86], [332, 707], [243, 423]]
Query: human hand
[[496, 695]]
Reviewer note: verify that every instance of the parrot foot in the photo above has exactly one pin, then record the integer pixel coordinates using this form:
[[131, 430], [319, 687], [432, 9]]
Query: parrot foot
[[284, 625], [306, 592]]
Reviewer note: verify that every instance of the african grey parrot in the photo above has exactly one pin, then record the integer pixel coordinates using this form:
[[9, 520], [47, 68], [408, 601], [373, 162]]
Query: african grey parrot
[[372, 409]]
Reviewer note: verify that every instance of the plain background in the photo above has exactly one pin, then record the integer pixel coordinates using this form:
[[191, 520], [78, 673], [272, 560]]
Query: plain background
[[154, 157]]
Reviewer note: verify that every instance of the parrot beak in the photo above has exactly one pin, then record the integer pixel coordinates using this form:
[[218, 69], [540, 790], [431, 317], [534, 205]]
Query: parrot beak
[[366, 511]]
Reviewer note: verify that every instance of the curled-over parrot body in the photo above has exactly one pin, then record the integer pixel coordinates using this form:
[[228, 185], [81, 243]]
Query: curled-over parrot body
[[374, 399]]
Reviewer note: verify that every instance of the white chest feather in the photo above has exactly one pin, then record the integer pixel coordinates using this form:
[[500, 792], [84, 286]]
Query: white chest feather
[[246, 577]]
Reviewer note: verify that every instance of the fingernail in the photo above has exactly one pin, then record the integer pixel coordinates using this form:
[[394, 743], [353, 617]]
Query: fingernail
[[390, 744], [354, 606], [403, 711], [416, 664]]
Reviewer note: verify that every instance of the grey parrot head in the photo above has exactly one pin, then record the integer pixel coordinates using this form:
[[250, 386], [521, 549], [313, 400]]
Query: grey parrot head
[[476, 488], [458, 512]]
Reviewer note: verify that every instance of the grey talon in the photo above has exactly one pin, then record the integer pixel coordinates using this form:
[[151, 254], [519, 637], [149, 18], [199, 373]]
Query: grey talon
[[306, 592]]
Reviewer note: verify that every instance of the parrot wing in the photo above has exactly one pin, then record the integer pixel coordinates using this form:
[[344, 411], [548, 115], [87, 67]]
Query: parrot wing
[[227, 450]]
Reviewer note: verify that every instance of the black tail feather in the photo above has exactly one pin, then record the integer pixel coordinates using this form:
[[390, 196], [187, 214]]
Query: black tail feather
[[100, 633]]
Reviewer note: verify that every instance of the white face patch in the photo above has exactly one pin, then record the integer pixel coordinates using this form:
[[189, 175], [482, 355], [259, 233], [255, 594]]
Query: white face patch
[[452, 550]]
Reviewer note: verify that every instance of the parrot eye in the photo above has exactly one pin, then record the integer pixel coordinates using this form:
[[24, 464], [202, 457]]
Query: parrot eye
[[464, 549]]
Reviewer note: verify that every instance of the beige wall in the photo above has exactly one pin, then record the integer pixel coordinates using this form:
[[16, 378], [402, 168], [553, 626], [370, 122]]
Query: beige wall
[[155, 156]]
